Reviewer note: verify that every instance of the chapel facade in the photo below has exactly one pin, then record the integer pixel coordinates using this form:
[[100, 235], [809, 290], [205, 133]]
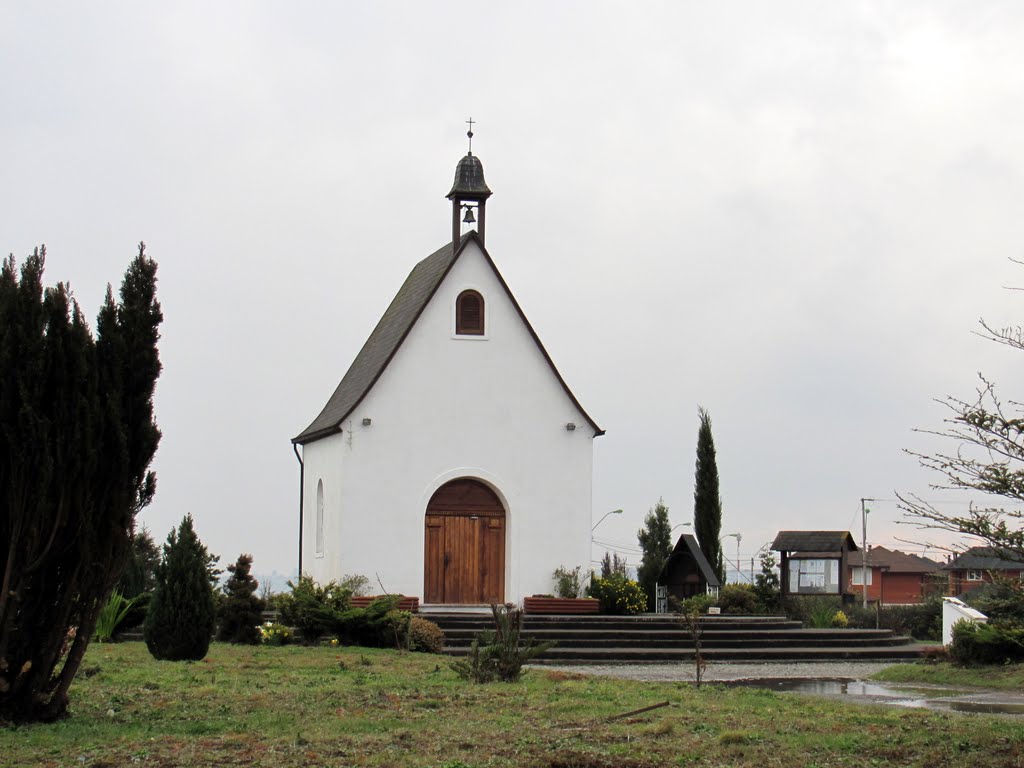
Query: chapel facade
[[452, 462]]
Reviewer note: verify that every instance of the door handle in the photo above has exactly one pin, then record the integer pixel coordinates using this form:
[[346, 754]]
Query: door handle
[[447, 559]]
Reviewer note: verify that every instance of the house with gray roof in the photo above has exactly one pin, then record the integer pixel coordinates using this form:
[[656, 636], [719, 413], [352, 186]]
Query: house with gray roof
[[979, 565], [893, 577], [452, 462]]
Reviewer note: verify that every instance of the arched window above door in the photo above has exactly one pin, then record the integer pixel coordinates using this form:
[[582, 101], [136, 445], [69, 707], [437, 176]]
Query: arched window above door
[[469, 314]]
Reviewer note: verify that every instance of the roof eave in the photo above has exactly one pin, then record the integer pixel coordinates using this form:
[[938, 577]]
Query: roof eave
[[312, 437]]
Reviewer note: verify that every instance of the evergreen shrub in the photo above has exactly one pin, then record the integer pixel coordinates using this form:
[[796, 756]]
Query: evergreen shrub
[[241, 611], [1002, 600], [739, 599], [312, 609], [975, 644], [380, 624], [77, 436], [698, 604], [425, 636], [181, 616], [655, 540], [619, 595], [766, 583], [137, 612], [922, 621]]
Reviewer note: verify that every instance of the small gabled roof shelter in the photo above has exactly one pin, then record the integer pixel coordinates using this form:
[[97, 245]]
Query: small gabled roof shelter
[[686, 571], [814, 541]]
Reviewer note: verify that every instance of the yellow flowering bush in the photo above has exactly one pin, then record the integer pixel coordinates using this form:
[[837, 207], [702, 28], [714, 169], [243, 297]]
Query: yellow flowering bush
[[272, 633], [618, 594]]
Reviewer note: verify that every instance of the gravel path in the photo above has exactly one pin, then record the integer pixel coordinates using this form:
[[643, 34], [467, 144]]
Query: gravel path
[[850, 670]]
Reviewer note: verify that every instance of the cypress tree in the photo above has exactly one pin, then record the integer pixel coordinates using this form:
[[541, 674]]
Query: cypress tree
[[707, 502], [181, 615], [241, 611], [656, 544], [77, 436]]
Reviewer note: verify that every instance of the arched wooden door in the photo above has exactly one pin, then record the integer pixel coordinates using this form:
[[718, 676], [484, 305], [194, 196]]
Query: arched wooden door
[[464, 558]]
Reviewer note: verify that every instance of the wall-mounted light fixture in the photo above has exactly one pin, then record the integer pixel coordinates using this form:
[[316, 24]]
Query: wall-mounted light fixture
[[367, 421], [570, 427]]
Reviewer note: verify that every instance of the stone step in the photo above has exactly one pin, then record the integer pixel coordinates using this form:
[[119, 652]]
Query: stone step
[[686, 643], [676, 635], [662, 656], [659, 638], [615, 623]]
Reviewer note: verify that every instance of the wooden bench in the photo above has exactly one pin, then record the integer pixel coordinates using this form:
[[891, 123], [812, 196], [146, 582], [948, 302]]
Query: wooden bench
[[560, 605], [411, 604]]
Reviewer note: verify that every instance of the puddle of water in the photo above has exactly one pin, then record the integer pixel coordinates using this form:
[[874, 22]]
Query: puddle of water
[[945, 699], [984, 707], [835, 687]]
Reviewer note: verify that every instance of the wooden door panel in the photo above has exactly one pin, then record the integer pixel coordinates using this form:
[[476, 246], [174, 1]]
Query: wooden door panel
[[433, 556], [462, 543], [492, 561]]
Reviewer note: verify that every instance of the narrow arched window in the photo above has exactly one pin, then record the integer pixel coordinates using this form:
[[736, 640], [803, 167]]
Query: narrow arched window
[[320, 517], [469, 314]]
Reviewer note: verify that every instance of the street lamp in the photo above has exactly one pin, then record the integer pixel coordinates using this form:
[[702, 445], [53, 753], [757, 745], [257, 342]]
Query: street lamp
[[690, 525], [738, 537], [613, 512], [865, 568]]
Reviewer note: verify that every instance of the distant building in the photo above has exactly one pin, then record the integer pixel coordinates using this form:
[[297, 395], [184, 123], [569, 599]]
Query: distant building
[[976, 566], [893, 577], [452, 463]]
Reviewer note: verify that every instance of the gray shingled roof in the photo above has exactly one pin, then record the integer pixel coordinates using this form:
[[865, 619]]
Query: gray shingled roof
[[894, 561], [391, 330], [687, 544], [984, 559], [813, 541]]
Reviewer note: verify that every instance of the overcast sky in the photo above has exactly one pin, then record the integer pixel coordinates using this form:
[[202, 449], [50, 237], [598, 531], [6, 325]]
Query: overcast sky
[[792, 214]]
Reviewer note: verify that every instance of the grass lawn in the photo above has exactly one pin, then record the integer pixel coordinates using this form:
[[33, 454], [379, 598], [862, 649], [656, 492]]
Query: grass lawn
[[293, 706], [1009, 677]]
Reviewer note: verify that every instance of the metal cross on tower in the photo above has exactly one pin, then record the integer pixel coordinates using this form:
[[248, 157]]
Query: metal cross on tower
[[469, 133]]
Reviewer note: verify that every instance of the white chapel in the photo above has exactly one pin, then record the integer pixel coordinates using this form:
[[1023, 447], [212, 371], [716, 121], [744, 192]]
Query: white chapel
[[452, 461]]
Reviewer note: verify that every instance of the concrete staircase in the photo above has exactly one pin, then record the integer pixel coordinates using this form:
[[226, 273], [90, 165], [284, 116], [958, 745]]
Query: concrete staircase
[[661, 638]]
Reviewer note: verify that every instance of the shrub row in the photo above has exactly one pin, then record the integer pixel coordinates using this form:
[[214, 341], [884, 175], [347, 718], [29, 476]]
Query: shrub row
[[986, 643], [316, 611]]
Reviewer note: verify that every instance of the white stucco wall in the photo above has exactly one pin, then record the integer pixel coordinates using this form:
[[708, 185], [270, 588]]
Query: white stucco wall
[[488, 408]]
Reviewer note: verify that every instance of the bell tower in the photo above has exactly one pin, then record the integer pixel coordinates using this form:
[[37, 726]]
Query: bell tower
[[469, 193]]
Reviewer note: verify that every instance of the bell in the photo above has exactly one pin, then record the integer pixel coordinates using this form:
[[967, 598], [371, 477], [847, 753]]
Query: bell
[[469, 218]]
